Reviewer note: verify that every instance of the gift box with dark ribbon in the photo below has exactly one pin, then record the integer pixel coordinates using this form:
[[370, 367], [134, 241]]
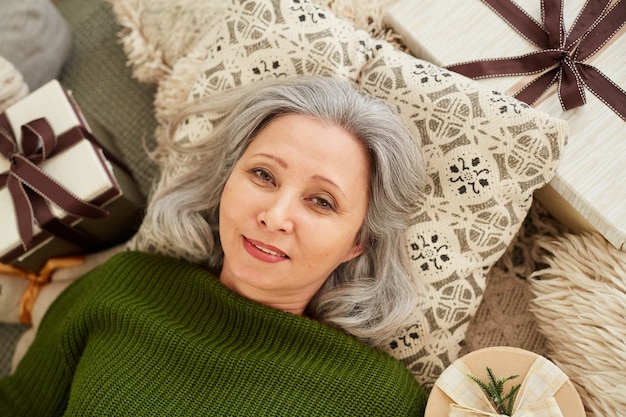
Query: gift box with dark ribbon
[[62, 191], [564, 57]]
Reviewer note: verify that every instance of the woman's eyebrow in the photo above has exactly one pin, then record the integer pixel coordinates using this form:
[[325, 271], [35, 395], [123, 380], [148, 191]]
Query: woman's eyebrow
[[280, 161], [329, 181]]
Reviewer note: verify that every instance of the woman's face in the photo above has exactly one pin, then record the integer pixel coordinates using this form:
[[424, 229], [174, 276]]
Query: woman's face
[[291, 211]]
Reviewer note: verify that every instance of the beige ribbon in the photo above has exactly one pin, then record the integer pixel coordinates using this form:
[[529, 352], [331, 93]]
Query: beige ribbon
[[535, 397]]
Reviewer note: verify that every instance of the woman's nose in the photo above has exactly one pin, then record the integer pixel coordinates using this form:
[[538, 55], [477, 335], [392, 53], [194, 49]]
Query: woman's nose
[[279, 212]]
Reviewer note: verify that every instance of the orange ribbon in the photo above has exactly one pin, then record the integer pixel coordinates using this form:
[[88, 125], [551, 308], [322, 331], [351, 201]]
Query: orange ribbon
[[37, 281]]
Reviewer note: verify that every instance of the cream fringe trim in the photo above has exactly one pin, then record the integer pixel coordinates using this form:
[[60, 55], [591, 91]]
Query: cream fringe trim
[[580, 307]]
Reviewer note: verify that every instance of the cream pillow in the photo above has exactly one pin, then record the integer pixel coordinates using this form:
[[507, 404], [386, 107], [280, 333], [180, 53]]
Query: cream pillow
[[580, 306], [485, 151]]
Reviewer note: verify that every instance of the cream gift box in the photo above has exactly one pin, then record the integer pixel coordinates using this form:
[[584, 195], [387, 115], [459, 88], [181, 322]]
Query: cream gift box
[[588, 191], [82, 169], [545, 390]]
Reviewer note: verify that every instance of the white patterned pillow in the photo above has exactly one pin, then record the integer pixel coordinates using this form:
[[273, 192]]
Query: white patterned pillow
[[485, 151]]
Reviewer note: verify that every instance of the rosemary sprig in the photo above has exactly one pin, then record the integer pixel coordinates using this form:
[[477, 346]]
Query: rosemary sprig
[[495, 392]]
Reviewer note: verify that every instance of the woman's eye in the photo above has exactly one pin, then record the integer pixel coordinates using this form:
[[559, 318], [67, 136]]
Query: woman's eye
[[263, 175], [323, 203]]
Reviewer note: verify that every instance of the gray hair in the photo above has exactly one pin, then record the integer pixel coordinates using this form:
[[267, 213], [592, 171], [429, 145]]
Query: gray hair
[[368, 297]]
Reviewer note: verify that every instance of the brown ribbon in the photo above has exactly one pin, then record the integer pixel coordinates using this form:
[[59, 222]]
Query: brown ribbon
[[37, 281], [32, 190], [563, 55]]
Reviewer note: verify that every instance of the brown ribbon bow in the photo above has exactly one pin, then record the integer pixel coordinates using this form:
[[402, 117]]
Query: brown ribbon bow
[[31, 189], [563, 55]]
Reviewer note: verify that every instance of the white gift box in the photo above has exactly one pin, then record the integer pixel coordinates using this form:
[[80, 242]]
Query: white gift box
[[588, 192], [82, 169]]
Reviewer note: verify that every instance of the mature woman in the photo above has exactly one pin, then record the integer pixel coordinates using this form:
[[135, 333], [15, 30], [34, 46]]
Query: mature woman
[[297, 204]]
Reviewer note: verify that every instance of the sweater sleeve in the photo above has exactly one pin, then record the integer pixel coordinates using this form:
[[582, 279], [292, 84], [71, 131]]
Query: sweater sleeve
[[41, 383]]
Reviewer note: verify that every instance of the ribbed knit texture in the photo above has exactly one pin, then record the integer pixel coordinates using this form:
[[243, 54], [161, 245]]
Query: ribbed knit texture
[[148, 335]]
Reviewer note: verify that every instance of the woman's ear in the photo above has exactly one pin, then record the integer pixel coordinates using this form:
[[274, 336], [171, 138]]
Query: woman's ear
[[356, 251]]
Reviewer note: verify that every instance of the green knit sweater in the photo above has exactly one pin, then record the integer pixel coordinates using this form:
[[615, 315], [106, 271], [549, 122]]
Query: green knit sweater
[[147, 335]]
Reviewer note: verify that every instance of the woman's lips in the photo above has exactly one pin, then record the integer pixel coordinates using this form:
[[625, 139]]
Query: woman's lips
[[264, 252]]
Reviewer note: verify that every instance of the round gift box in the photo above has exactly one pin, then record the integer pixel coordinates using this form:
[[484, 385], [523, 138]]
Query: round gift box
[[504, 361]]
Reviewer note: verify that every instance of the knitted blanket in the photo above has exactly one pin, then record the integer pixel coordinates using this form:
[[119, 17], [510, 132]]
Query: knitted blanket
[[144, 332]]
